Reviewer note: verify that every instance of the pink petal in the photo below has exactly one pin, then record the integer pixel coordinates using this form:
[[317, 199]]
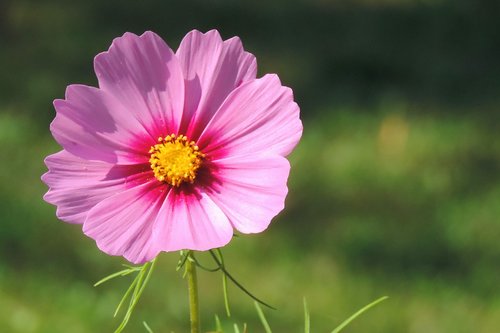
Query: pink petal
[[77, 185], [144, 73], [259, 117], [251, 191], [212, 69], [94, 125], [122, 224], [191, 221]]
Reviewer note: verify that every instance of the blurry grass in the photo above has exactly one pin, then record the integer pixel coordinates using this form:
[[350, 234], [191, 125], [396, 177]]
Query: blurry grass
[[387, 200]]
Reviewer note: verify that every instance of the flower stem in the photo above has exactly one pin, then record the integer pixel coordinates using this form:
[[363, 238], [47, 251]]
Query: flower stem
[[194, 312]]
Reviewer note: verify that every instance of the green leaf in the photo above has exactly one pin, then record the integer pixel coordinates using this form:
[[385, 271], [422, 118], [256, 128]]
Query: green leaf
[[205, 268], [182, 259], [117, 274], [218, 325], [224, 285], [262, 318], [218, 262], [142, 280], [307, 319], [133, 292], [125, 296], [147, 327], [358, 313]]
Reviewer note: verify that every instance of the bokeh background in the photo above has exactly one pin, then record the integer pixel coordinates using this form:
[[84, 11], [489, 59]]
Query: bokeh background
[[394, 190]]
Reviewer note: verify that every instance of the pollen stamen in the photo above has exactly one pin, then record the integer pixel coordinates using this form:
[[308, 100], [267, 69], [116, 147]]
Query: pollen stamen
[[175, 159]]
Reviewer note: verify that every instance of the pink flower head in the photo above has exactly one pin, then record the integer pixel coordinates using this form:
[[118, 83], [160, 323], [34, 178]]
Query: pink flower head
[[173, 150]]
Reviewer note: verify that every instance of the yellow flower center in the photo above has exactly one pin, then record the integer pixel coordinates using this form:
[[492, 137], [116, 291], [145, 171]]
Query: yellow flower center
[[175, 160]]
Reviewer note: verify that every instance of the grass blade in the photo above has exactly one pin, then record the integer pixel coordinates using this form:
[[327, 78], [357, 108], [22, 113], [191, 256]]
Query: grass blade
[[307, 318], [147, 327], [262, 318], [358, 313], [218, 325]]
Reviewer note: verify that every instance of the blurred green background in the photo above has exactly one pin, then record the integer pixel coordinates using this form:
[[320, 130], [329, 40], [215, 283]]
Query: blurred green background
[[394, 188]]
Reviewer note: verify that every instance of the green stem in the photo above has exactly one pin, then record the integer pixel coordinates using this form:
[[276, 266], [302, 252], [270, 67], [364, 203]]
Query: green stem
[[194, 311]]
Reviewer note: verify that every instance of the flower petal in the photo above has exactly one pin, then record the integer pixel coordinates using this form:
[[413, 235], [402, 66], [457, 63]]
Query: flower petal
[[144, 73], [92, 124], [191, 221], [77, 185], [212, 69], [122, 224], [251, 191], [259, 117]]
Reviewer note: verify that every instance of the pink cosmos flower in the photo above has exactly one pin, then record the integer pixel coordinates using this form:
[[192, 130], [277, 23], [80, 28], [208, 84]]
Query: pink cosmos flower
[[173, 150]]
